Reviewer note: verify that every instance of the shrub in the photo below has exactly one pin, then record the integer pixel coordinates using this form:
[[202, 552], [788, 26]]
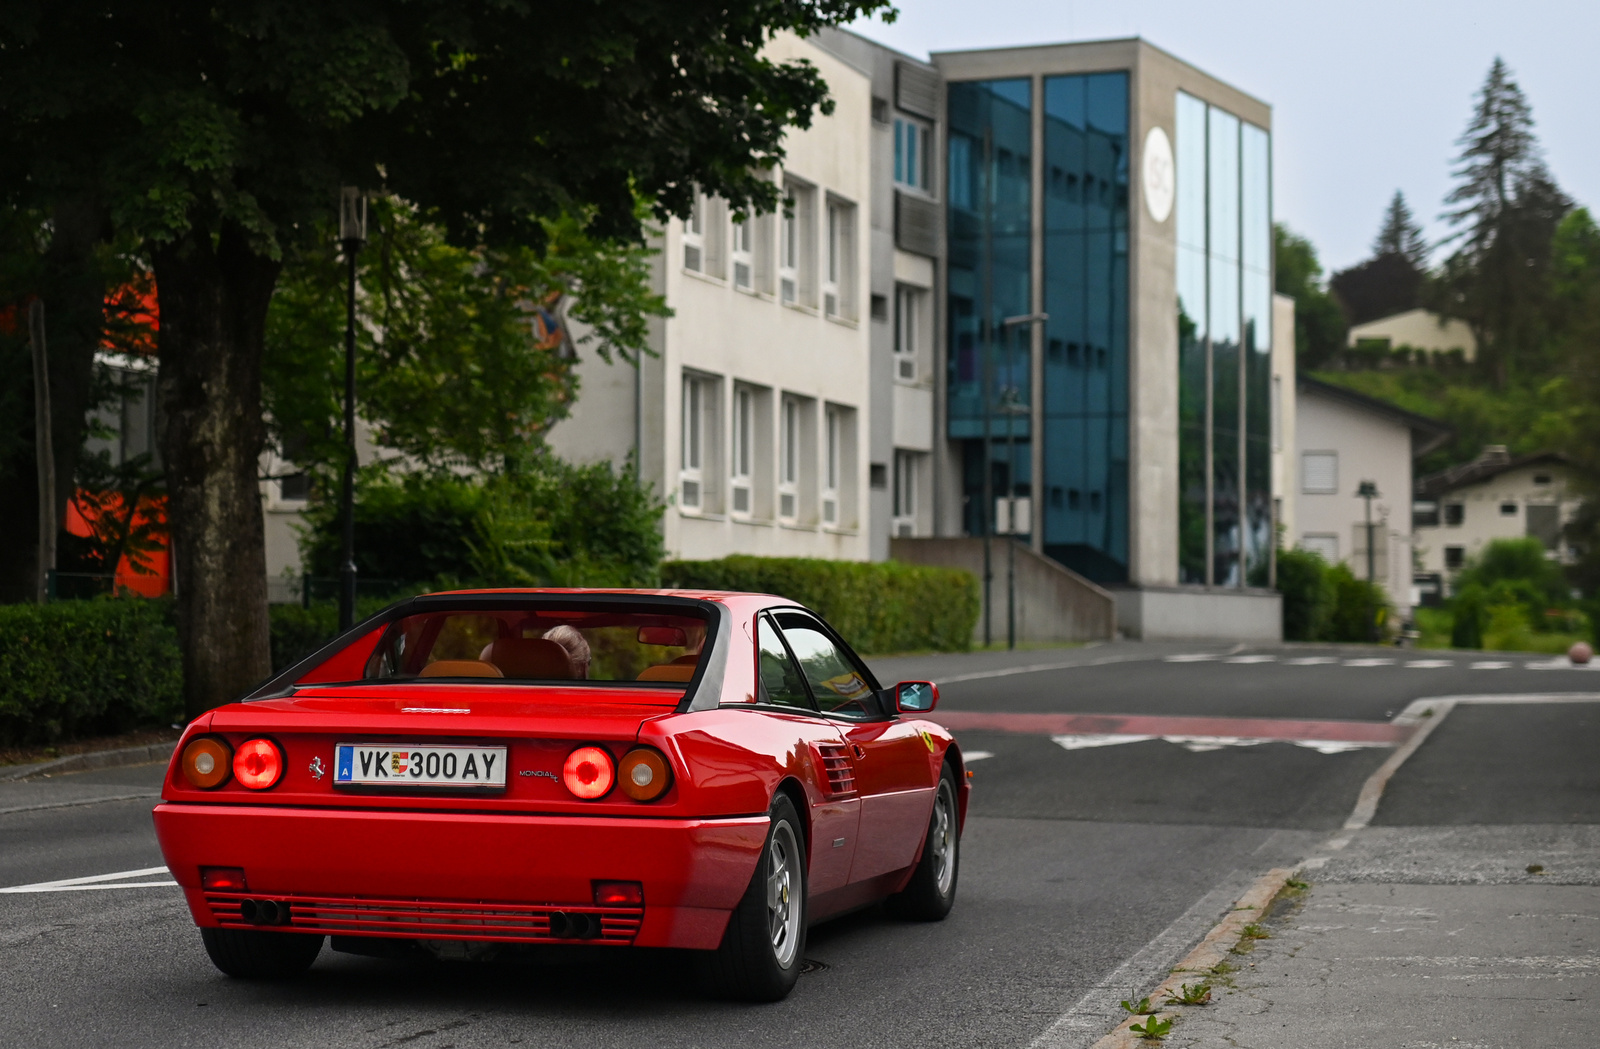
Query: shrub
[[1470, 614], [1360, 609], [84, 668], [888, 606], [548, 524], [1308, 594], [1516, 572]]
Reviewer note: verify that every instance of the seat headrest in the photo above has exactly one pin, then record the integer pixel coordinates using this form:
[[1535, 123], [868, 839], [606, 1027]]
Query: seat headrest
[[668, 672], [530, 657], [460, 668]]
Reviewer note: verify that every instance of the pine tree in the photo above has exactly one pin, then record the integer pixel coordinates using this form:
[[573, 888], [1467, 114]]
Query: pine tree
[[1506, 208], [1401, 234]]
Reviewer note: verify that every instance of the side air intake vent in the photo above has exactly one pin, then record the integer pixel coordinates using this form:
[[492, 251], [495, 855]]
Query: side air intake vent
[[839, 768]]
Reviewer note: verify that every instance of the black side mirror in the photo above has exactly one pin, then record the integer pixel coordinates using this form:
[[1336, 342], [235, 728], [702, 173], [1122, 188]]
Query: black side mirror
[[916, 697]]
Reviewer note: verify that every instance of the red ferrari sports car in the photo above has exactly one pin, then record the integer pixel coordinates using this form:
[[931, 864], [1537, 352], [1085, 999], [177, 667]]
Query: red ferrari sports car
[[470, 770]]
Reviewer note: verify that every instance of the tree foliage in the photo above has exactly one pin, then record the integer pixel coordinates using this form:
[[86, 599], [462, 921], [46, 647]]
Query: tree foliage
[[456, 364], [1401, 234], [1319, 322]]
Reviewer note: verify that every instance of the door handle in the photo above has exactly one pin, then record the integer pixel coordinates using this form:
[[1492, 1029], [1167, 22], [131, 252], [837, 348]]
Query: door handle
[[861, 755]]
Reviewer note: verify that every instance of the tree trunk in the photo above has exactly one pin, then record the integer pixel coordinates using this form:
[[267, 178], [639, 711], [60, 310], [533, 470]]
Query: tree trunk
[[214, 293], [73, 289]]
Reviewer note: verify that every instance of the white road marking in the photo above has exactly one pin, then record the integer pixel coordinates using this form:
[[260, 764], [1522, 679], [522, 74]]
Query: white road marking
[[1310, 661], [976, 755], [1430, 664], [1251, 659], [1193, 657], [1102, 739], [1203, 744], [1379, 661], [1492, 664], [95, 881]]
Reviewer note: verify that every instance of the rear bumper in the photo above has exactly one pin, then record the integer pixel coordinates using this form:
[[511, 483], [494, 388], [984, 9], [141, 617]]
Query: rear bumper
[[465, 876]]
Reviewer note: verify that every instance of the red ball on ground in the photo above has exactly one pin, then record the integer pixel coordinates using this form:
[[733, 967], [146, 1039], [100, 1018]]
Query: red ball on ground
[[1580, 653]]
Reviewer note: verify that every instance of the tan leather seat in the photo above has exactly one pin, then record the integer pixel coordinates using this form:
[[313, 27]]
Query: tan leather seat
[[460, 668], [530, 657], [668, 672]]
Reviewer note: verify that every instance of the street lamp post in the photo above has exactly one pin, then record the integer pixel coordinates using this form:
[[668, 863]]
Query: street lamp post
[[352, 234], [1369, 492], [1012, 407]]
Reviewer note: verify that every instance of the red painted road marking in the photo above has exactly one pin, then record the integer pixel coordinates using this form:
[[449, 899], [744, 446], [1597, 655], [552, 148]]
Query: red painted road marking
[[1288, 730]]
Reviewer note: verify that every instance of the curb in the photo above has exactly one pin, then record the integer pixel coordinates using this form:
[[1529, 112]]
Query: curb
[[1211, 951], [100, 759]]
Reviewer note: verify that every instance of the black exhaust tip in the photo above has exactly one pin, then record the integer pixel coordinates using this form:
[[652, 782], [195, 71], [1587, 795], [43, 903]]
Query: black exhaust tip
[[565, 925], [264, 912]]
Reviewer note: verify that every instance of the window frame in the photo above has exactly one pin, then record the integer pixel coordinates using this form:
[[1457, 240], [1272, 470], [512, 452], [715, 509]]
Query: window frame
[[913, 139], [1305, 480], [694, 235], [883, 710], [790, 433], [907, 328], [741, 450], [741, 253]]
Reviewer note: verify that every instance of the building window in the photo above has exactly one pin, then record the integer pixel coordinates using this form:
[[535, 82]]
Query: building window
[[905, 493], [832, 451], [694, 237], [789, 461], [1319, 473], [1541, 478], [912, 140], [743, 255], [1455, 514], [907, 332], [699, 443], [838, 287], [743, 450], [1455, 556], [1424, 513], [1323, 544], [796, 258], [1508, 509]]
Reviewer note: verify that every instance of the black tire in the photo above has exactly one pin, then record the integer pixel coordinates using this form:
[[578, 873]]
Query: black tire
[[758, 961], [250, 955], [931, 892]]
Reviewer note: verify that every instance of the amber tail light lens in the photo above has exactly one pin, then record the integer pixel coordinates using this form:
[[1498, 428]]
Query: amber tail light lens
[[644, 774], [258, 764], [205, 763], [589, 772]]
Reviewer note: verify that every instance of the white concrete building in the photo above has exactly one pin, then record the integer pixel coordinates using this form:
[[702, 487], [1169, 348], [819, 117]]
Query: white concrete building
[[1458, 511], [1419, 329], [752, 418], [1344, 439]]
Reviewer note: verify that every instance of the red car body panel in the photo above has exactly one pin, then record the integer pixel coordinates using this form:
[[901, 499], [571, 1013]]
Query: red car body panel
[[507, 866]]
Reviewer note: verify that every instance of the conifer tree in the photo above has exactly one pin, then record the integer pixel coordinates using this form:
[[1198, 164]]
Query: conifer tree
[[1401, 234]]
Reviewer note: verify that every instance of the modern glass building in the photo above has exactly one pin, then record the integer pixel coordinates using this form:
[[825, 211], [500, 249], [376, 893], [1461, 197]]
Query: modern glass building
[[1109, 367]]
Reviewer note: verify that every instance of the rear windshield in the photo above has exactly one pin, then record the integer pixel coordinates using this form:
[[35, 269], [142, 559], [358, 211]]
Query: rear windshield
[[565, 645]]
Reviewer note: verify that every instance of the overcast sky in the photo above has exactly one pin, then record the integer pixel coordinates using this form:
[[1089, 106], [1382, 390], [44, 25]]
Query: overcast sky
[[1368, 96]]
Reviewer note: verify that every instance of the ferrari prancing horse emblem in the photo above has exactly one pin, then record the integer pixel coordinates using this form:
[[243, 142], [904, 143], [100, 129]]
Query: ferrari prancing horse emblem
[[316, 768]]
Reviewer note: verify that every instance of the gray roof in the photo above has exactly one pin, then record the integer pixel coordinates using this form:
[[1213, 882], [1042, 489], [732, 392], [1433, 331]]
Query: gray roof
[[1427, 434], [1493, 461]]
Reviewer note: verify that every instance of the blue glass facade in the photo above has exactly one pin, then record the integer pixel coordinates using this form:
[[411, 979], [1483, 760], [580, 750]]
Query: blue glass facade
[[1224, 262], [990, 207], [1084, 183]]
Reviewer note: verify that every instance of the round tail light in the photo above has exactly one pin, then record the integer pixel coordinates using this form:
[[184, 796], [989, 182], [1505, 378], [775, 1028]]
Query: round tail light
[[258, 764], [589, 772], [205, 763], [643, 774]]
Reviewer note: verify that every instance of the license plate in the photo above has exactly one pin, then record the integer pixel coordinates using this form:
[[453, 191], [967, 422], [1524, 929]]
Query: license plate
[[418, 765]]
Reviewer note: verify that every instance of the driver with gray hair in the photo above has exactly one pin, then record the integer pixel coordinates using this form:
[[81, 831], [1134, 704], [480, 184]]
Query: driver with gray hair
[[576, 645]]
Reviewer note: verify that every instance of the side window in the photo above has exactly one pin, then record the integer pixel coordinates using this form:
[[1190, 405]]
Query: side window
[[839, 685], [780, 678]]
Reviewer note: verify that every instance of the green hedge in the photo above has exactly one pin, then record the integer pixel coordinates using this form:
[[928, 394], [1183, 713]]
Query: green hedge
[[86, 668], [888, 606]]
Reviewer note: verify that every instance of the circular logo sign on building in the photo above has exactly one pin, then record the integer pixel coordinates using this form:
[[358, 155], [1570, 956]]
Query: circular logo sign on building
[[1159, 186]]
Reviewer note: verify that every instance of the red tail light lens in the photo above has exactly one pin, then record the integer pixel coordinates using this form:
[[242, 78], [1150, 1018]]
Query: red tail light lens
[[205, 763], [643, 774], [589, 772], [258, 764], [618, 894], [222, 879]]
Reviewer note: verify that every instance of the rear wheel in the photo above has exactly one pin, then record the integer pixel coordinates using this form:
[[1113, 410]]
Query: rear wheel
[[932, 890], [762, 951], [251, 955]]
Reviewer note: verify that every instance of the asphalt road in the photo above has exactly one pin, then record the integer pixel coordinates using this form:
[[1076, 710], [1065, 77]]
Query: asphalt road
[[1082, 867]]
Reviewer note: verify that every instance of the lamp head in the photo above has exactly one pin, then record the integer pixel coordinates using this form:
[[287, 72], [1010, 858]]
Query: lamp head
[[352, 216]]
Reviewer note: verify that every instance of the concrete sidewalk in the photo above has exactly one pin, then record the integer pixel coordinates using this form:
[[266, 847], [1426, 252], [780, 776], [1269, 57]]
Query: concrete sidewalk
[[1424, 938]]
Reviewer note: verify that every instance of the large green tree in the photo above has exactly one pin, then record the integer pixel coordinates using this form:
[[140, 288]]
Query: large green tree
[[1391, 281], [1319, 322], [218, 132], [1505, 208]]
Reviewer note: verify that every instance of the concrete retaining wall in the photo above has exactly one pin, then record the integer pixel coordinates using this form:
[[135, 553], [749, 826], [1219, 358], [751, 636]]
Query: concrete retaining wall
[[1052, 603], [1182, 613]]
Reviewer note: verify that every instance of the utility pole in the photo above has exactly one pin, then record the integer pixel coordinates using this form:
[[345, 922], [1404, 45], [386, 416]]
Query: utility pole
[[1013, 408], [352, 234], [43, 448], [987, 321], [1369, 492]]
